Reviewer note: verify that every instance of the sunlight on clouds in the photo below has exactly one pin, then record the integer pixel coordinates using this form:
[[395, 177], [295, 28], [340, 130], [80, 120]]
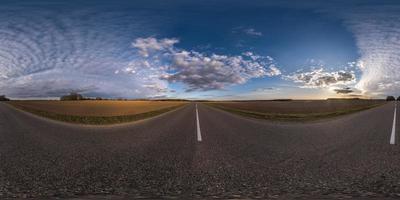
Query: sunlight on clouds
[[377, 32]]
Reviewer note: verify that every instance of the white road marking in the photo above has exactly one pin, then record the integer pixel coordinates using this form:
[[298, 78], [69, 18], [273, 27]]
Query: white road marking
[[393, 136], [198, 125]]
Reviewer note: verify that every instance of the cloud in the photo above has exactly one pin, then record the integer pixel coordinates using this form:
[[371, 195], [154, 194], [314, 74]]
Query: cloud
[[160, 89], [319, 78], [54, 83], [248, 31], [265, 89], [377, 34], [202, 72], [150, 44], [274, 71], [253, 32], [376, 29], [42, 56], [346, 90]]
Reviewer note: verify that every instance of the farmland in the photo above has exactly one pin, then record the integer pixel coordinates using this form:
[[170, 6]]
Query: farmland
[[296, 110], [96, 112]]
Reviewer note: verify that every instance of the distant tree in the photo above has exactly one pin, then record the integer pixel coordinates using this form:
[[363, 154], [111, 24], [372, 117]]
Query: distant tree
[[398, 98], [73, 96], [390, 98], [99, 98], [4, 98]]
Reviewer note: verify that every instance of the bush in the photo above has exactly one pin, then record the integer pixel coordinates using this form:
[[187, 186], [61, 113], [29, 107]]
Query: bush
[[72, 97], [4, 98], [390, 98]]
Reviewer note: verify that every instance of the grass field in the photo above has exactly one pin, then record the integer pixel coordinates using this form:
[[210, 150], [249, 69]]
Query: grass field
[[97, 112], [297, 110]]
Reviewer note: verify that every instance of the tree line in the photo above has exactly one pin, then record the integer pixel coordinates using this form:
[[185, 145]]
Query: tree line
[[392, 98], [4, 98]]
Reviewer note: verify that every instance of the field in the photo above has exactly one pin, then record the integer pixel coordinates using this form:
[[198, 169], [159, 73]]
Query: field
[[96, 112], [297, 109]]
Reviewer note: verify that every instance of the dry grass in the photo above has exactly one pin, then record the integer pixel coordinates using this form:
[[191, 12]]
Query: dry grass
[[97, 112], [297, 110], [96, 108]]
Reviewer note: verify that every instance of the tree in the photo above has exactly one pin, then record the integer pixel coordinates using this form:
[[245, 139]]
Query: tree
[[4, 98], [390, 98], [398, 98], [73, 96]]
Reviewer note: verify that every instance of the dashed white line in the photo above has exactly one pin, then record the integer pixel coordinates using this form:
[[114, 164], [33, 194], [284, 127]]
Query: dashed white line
[[198, 125], [393, 136]]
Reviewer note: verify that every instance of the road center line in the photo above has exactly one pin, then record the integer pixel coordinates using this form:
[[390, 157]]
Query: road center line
[[198, 125], [393, 136]]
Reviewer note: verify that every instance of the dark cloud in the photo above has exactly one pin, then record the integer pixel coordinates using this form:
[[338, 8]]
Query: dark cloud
[[199, 71], [264, 89], [343, 90], [319, 78]]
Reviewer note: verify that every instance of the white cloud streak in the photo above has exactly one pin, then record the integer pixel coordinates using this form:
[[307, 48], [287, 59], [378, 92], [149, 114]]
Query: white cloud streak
[[376, 29], [42, 56], [247, 31], [253, 32], [377, 33]]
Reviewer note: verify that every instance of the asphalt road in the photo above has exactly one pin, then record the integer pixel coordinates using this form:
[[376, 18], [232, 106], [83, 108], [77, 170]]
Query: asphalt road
[[238, 157]]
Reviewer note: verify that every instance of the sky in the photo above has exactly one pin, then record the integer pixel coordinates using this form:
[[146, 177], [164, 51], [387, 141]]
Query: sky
[[200, 49]]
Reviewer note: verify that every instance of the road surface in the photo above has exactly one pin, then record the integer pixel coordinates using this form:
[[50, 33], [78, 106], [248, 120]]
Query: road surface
[[237, 157]]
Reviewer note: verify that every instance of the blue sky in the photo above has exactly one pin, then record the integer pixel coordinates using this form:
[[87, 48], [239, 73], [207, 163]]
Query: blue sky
[[200, 49]]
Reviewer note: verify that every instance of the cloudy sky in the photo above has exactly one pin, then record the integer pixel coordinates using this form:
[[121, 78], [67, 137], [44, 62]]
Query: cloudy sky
[[200, 49]]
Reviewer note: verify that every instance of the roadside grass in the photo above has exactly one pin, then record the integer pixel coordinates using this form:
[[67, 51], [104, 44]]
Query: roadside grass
[[300, 117], [96, 120]]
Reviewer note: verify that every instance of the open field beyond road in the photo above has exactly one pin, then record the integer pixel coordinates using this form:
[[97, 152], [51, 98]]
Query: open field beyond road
[[96, 108], [97, 112], [298, 109]]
